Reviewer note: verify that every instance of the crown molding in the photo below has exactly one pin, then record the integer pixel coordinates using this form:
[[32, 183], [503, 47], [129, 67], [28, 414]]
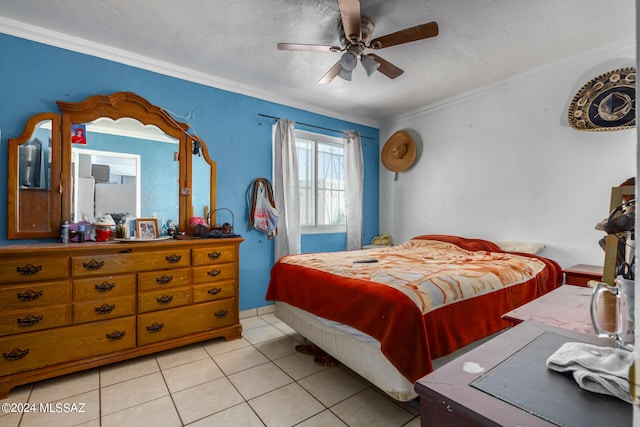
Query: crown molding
[[87, 47]]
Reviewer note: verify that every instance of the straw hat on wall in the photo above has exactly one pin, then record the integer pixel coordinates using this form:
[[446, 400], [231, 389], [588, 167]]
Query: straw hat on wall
[[399, 152]]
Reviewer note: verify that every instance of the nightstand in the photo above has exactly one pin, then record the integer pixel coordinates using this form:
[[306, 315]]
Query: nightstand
[[505, 382], [581, 274]]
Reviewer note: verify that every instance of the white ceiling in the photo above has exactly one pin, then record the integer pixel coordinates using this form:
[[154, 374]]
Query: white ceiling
[[231, 44]]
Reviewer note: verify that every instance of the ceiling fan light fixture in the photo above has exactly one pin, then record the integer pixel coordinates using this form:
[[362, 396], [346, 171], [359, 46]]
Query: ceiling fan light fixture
[[348, 61], [345, 74], [370, 65]]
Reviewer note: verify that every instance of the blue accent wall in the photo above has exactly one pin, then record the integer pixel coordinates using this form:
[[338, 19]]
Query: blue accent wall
[[33, 76]]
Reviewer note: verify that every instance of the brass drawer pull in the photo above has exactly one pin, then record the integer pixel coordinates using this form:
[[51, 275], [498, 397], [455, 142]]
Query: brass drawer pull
[[30, 320], [214, 273], [16, 354], [105, 286], [93, 265], [172, 259], [116, 335], [214, 291], [214, 255], [29, 295], [155, 327], [29, 269], [165, 299], [105, 308], [164, 279], [220, 314]]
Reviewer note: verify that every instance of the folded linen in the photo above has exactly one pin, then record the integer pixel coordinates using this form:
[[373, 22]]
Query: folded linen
[[603, 370]]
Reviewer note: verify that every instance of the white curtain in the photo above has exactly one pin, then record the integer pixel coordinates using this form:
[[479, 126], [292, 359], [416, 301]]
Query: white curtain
[[286, 189], [353, 188]]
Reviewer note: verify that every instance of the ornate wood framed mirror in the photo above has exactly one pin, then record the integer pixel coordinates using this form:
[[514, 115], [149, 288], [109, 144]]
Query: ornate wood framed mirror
[[116, 154]]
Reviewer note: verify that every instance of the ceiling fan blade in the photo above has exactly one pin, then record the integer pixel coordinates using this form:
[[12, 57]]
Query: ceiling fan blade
[[331, 74], [386, 67], [419, 32], [310, 47], [350, 13]]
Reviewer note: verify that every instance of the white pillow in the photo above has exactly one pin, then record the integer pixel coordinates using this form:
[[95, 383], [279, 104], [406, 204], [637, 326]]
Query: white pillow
[[520, 246]]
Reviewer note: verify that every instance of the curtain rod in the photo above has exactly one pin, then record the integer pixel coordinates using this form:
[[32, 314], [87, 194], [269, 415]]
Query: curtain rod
[[313, 126]]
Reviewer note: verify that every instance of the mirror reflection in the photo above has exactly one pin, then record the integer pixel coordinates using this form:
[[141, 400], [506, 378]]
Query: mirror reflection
[[34, 178], [123, 167]]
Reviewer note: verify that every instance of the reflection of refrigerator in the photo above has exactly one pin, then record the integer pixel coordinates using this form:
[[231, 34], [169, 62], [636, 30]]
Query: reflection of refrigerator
[[115, 198], [85, 199]]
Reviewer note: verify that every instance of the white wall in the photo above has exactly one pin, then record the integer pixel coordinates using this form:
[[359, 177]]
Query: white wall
[[502, 163]]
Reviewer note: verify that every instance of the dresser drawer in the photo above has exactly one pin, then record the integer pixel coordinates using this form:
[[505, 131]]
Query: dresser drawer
[[92, 265], [217, 255], [28, 269], [214, 273], [155, 280], [34, 319], [46, 348], [213, 291], [104, 287], [177, 322], [103, 309], [16, 297], [163, 299]]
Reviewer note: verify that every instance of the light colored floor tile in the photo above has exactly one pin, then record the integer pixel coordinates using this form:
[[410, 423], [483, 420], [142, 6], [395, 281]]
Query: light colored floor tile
[[219, 346], [286, 406], [178, 356], [206, 399], [72, 411], [285, 328], [237, 360], [127, 370], [332, 386], [413, 423], [323, 419], [277, 348], [92, 423], [262, 334], [190, 374], [18, 394], [258, 380], [252, 323], [239, 415], [270, 318], [65, 386], [299, 365], [130, 393], [371, 409], [156, 413], [10, 419]]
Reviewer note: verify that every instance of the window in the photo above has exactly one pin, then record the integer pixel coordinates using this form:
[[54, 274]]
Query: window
[[321, 174]]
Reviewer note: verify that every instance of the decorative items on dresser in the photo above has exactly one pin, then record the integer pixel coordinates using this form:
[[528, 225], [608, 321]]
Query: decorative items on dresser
[[66, 308]]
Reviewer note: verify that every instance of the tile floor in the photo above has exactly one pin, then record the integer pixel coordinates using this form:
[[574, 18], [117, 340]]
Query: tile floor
[[259, 380]]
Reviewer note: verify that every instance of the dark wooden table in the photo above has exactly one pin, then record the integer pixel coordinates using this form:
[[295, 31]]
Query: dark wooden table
[[581, 274], [566, 307], [448, 397]]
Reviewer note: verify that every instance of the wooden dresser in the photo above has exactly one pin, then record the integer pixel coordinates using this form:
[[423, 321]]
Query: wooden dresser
[[69, 307]]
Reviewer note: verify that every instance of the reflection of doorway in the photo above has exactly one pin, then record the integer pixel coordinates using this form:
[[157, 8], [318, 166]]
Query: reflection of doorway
[[105, 182]]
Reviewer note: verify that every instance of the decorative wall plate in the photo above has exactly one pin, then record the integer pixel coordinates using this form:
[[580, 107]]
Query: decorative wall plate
[[607, 102]]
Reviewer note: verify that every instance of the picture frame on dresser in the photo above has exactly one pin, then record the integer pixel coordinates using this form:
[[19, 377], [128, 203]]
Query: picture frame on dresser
[[147, 228]]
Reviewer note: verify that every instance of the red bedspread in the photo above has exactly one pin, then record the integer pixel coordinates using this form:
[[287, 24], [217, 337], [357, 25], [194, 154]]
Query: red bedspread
[[409, 337]]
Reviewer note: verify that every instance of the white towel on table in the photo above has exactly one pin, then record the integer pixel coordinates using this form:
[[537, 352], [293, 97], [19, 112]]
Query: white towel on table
[[598, 369]]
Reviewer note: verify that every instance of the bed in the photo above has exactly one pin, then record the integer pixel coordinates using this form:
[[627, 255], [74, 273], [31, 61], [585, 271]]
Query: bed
[[388, 313]]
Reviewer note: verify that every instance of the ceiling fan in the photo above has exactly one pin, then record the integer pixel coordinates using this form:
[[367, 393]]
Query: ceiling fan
[[355, 37]]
